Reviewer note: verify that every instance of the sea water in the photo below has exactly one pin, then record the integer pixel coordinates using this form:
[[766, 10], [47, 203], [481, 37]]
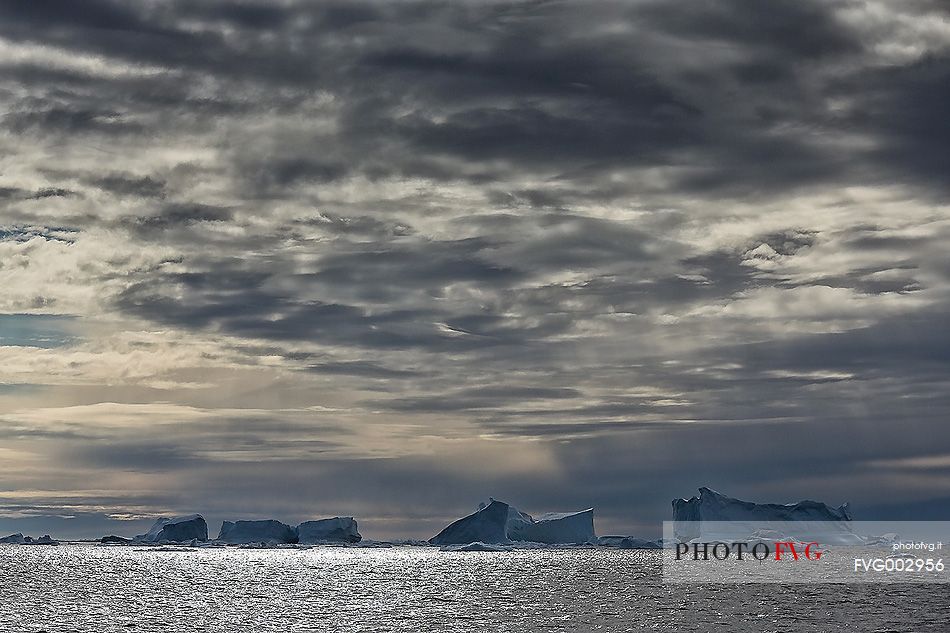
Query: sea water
[[85, 587]]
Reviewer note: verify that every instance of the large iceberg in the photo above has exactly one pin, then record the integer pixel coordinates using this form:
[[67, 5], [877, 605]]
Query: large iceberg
[[715, 516], [177, 529], [335, 529], [499, 522], [552, 528], [487, 525], [267, 531]]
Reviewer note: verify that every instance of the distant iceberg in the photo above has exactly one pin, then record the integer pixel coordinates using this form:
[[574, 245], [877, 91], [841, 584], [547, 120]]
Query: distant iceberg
[[499, 522], [46, 539], [19, 539], [715, 516], [13, 539], [629, 542], [714, 506], [176, 530], [268, 531], [274, 532], [477, 546], [112, 539], [337, 529]]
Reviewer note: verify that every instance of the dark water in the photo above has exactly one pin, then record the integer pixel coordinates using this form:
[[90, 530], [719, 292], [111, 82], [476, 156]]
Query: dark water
[[89, 588]]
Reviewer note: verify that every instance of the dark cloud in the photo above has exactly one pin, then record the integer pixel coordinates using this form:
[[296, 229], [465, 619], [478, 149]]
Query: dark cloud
[[245, 15], [129, 185], [794, 31], [278, 176], [131, 456], [884, 347], [61, 13], [900, 107], [363, 225], [7, 193], [52, 192], [66, 119], [361, 368], [177, 215], [477, 398]]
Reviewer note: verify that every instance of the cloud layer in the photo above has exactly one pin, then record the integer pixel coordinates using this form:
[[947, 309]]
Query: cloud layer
[[385, 259]]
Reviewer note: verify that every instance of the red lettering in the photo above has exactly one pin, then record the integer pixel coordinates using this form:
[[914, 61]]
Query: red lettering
[[779, 545], [809, 553]]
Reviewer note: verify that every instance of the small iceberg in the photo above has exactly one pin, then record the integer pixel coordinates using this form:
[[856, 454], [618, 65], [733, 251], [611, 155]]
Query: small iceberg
[[629, 542], [477, 546], [112, 539]]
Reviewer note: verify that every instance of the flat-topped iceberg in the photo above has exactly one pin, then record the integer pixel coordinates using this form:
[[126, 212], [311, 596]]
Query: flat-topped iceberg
[[336, 529], [499, 522], [715, 516], [273, 532], [176, 530], [714, 506], [268, 531], [552, 528]]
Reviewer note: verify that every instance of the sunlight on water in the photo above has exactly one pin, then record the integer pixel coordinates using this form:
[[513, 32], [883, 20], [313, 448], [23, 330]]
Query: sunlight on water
[[90, 588]]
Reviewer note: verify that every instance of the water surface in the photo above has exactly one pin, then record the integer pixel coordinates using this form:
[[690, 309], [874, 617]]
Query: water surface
[[80, 588]]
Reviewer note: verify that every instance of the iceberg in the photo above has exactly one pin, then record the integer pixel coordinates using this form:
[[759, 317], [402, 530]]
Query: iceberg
[[19, 539], [335, 529], [499, 522], [176, 529], [714, 506], [488, 525], [715, 516], [268, 531], [552, 528], [46, 539], [113, 539], [629, 542], [13, 539], [477, 546]]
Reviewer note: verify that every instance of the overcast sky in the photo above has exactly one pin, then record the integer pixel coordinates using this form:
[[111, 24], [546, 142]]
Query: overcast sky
[[300, 259]]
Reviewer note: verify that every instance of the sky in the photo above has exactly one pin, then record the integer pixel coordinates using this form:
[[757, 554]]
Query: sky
[[302, 259]]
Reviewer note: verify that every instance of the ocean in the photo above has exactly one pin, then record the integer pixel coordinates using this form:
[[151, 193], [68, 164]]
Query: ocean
[[89, 588]]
